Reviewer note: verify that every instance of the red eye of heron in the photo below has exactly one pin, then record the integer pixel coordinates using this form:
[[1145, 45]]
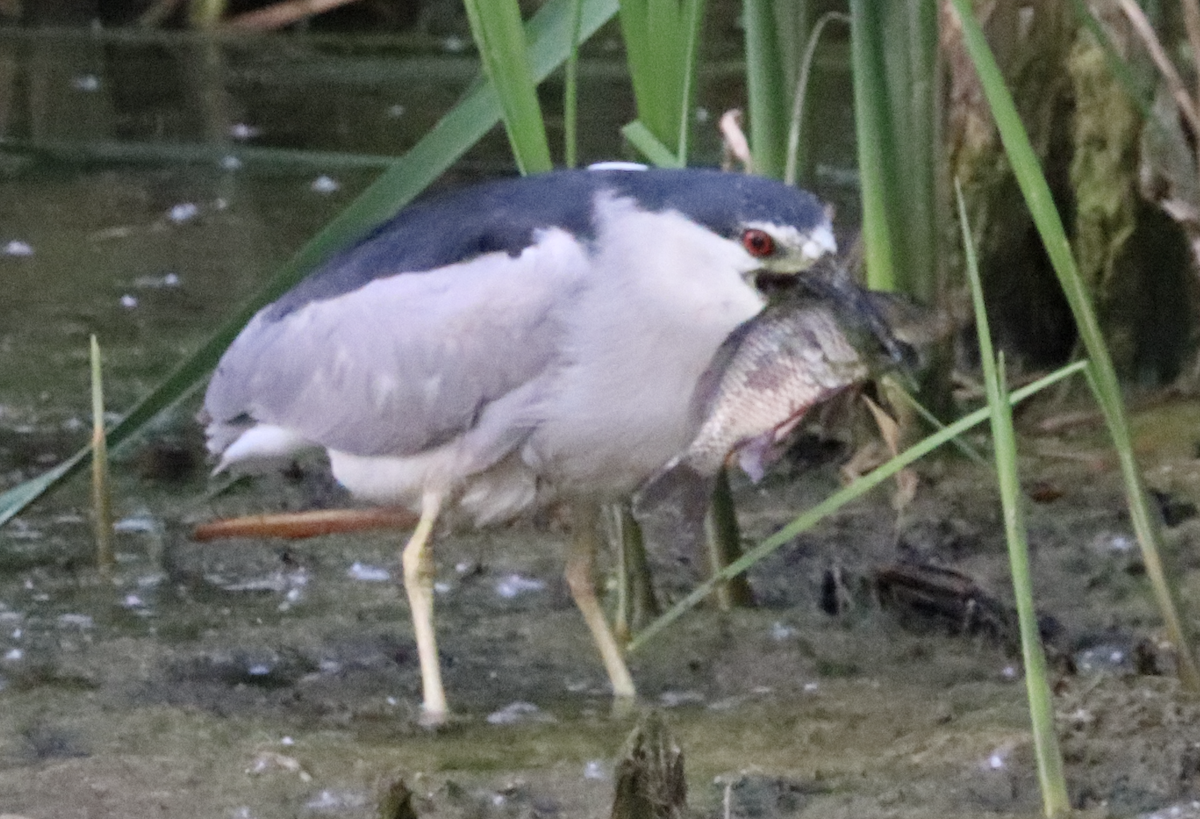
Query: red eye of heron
[[758, 242]]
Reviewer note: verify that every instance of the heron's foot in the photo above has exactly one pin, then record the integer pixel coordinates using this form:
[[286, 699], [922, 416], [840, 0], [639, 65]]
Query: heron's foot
[[618, 672], [624, 707], [433, 719]]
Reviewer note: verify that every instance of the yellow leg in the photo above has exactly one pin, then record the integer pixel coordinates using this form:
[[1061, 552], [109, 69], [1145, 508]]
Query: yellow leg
[[580, 564], [418, 584]]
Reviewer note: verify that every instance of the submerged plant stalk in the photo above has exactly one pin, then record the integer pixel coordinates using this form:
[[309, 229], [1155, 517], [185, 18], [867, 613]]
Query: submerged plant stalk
[[102, 518]]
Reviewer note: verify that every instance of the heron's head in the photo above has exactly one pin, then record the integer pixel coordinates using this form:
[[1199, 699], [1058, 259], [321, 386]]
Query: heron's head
[[777, 229], [783, 249]]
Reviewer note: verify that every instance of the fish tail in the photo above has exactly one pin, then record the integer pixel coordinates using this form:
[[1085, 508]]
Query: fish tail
[[672, 506]]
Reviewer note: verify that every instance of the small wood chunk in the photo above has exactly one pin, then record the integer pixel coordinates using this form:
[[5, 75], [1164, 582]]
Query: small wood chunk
[[650, 780], [395, 801]]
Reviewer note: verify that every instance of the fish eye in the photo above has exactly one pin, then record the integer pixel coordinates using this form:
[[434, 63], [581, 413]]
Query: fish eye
[[758, 242]]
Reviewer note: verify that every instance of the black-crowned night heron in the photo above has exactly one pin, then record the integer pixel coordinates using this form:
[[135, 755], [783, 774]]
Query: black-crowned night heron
[[502, 345]]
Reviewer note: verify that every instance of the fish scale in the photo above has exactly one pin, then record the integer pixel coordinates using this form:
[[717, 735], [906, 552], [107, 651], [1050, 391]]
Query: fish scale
[[796, 356]]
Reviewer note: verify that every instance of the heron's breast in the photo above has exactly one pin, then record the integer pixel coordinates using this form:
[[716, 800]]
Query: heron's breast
[[637, 342]]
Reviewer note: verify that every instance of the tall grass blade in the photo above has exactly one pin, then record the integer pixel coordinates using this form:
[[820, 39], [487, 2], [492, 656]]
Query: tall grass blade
[[894, 49], [102, 517], [500, 38], [839, 499], [1038, 199], [1041, 709], [915, 94], [872, 130], [692, 25], [549, 37], [897, 391], [662, 46], [640, 137], [765, 89], [571, 91], [795, 125]]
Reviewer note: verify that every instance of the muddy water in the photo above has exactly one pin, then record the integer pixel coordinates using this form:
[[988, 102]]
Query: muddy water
[[251, 679]]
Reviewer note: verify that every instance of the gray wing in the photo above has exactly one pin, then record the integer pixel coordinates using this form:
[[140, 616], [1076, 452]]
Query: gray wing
[[408, 361]]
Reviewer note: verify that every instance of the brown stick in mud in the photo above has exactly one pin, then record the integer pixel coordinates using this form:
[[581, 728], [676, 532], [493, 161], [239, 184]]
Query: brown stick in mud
[[297, 525]]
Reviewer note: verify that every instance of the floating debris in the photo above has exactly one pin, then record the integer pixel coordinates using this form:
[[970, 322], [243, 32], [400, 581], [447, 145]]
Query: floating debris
[[20, 530], [129, 301], [1113, 542], [166, 280], [325, 184], [243, 131], [368, 574], [273, 582], [1105, 658], [998, 759], [87, 83], [183, 212], [673, 699], [781, 632], [229, 162], [595, 769], [271, 761], [79, 621], [18, 248], [395, 111], [331, 801], [515, 585], [140, 524], [518, 712]]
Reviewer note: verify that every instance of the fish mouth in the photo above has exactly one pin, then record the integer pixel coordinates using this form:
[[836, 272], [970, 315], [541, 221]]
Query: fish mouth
[[839, 287], [833, 282]]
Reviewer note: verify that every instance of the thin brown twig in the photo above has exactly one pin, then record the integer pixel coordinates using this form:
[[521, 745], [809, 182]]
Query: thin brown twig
[[1158, 54], [297, 525], [1191, 17], [283, 14], [158, 11]]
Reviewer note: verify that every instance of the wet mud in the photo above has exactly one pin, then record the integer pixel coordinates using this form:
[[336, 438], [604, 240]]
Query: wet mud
[[876, 676]]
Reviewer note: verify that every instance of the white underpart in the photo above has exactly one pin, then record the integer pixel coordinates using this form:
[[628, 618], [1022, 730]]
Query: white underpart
[[664, 294], [263, 446]]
